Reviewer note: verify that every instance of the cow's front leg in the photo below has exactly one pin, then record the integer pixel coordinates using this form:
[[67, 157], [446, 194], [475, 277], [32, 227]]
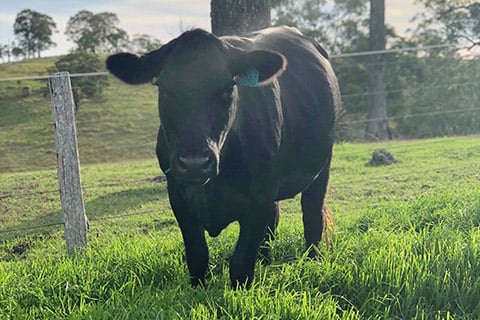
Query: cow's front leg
[[252, 232], [196, 249], [196, 252]]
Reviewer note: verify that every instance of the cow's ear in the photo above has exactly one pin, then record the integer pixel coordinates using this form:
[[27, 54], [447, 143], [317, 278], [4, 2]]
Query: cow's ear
[[126, 67], [258, 68], [133, 69]]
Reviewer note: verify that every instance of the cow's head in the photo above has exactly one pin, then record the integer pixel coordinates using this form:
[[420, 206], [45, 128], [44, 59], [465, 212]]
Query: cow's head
[[197, 75]]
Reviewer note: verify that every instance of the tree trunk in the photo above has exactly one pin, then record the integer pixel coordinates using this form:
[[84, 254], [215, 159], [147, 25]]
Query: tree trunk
[[377, 96], [230, 17]]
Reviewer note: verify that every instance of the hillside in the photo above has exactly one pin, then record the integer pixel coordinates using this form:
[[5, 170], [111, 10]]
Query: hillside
[[119, 126]]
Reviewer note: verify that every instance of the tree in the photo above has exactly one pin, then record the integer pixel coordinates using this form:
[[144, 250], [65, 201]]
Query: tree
[[17, 52], [377, 96], [83, 62], [340, 28], [239, 16], [143, 43], [459, 19], [96, 32], [3, 51], [34, 31], [424, 88], [6, 51]]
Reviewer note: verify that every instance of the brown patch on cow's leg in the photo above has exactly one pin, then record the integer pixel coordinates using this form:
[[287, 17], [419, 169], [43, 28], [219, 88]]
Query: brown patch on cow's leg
[[328, 223]]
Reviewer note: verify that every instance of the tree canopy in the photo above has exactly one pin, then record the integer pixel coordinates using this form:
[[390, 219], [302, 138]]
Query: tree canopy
[[33, 31], [83, 62], [96, 32], [143, 43], [459, 20]]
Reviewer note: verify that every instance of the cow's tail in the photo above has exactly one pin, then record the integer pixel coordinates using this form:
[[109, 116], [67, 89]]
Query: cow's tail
[[328, 223]]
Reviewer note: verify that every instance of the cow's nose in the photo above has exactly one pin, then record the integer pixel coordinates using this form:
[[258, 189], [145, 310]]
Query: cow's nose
[[194, 163], [195, 167]]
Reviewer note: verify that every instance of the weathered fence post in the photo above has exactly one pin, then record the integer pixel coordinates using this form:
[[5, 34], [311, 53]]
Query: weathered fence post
[[68, 164]]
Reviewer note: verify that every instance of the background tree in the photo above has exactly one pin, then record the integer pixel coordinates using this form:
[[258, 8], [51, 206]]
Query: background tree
[[3, 51], [340, 28], [7, 51], [239, 16], [143, 43], [34, 31], [458, 19], [96, 32], [83, 87], [18, 52]]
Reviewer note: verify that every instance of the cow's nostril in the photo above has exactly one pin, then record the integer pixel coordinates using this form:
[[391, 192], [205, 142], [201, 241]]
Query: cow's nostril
[[183, 163], [206, 162], [194, 163]]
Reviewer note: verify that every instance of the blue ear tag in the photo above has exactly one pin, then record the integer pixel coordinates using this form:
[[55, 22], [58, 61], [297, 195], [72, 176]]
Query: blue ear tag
[[249, 78]]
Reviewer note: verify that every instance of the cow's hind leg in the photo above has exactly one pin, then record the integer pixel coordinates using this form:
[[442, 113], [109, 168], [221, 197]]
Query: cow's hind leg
[[313, 214], [252, 231]]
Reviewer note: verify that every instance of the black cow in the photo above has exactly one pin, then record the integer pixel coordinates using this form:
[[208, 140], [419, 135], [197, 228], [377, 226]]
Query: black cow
[[245, 122]]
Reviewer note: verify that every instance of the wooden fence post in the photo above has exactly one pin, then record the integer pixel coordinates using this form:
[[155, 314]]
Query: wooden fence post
[[68, 164]]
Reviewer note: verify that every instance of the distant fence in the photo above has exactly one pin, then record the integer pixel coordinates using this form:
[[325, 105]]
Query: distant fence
[[439, 95]]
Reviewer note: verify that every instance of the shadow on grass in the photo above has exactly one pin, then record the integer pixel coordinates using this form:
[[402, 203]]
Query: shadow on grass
[[109, 205]]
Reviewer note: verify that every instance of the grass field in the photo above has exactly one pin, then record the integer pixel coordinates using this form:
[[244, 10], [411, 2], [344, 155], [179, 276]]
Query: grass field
[[406, 245]]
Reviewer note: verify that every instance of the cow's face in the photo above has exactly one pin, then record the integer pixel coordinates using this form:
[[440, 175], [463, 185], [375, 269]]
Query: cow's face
[[197, 76], [197, 103]]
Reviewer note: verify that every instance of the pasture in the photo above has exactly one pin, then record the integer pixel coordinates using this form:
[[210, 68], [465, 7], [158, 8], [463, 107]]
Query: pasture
[[406, 245]]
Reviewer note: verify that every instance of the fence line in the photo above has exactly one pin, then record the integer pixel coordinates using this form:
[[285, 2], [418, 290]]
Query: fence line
[[155, 211], [46, 77], [332, 56], [348, 95], [398, 50], [397, 90], [406, 116], [140, 182], [112, 217]]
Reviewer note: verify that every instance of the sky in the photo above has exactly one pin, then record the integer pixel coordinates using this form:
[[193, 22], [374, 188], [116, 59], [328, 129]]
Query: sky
[[163, 19]]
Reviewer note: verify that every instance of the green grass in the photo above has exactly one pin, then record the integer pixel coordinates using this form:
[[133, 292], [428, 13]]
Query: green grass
[[406, 245]]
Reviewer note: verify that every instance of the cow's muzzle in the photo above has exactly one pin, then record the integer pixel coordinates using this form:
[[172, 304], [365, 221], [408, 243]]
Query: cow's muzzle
[[195, 168]]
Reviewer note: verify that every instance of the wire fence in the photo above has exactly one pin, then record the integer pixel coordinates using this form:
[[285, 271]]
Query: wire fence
[[397, 176], [438, 95]]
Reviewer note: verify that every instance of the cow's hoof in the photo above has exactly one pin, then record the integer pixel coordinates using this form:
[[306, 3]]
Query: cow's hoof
[[197, 282]]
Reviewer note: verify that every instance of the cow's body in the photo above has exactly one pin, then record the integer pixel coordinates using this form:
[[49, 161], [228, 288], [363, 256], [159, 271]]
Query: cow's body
[[270, 142]]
